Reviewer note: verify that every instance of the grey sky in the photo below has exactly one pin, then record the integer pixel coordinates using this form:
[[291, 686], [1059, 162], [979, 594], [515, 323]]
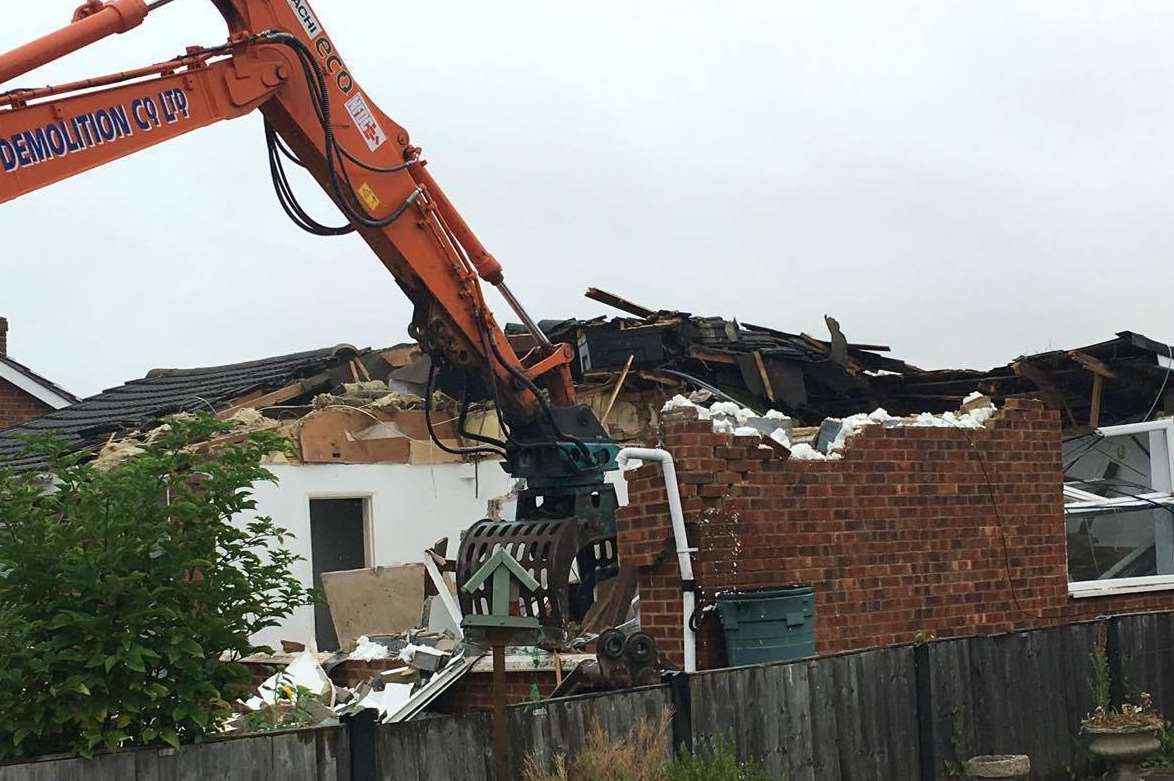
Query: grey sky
[[965, 182]]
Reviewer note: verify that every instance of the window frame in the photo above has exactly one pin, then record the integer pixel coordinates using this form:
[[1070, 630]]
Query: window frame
[[1161, 440]]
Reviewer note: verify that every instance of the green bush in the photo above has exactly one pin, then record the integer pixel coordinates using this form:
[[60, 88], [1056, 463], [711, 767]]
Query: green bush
[[125, 595]]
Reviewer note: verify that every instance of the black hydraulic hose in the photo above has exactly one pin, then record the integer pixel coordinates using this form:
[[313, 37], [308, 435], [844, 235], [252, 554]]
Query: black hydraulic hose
[[464, 414], [521, 377], [318, 88], [461, 451], [285, 195]]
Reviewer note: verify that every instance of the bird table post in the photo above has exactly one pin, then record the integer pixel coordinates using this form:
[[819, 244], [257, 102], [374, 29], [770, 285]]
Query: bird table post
[[499, 627]]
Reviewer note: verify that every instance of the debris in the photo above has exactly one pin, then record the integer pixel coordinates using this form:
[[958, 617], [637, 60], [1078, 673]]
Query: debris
[[303, 672], [833, 434], [117, 452], [422, 657], [374, 601], [352, 435], [680, 402], [249, 419], [366, 651], [386, 698]]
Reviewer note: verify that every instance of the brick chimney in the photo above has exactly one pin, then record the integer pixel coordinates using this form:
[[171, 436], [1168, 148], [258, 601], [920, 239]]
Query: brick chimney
[[3, 336]]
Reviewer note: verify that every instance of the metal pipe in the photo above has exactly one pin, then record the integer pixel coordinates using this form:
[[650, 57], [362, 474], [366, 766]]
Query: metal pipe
[[115, 17], [681, 538], [520, 311]]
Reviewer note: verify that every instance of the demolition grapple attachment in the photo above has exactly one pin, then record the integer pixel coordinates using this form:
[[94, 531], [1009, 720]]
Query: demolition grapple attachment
[[565, 539]]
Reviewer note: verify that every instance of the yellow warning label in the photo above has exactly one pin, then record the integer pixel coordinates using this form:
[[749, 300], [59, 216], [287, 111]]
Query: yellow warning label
[[369, 196]]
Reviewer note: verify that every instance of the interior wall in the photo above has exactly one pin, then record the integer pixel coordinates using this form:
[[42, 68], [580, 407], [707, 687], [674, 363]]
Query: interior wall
[[410, 507]]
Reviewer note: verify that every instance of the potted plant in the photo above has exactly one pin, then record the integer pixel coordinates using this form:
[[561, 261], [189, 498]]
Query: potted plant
[[1125, 736]]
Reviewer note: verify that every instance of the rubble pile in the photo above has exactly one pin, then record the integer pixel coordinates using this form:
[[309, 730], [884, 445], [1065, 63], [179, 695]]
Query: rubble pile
[[828, 440]]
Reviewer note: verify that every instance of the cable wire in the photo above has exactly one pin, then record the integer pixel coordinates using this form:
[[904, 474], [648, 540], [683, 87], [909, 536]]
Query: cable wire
[[990, 487]]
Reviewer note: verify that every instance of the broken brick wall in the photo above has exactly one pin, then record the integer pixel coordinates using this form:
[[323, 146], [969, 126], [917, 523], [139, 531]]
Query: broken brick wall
[[17, 407], [915, 531], [475, 690]]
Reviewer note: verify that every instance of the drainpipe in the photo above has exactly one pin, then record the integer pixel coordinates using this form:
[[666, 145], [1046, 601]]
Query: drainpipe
[[684, 560]]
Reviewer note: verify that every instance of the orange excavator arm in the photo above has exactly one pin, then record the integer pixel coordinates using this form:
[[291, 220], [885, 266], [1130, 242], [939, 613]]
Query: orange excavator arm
[[280, 59]]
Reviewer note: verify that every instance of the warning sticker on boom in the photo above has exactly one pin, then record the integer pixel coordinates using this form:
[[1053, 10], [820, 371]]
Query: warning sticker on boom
[[365, 121]]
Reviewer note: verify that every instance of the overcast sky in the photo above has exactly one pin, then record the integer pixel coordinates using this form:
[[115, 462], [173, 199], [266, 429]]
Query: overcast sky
[[965, 182]]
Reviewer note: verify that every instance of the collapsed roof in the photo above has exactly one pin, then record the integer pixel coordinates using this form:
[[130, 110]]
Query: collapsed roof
[[626, 367], [91, 423], [810, 379]]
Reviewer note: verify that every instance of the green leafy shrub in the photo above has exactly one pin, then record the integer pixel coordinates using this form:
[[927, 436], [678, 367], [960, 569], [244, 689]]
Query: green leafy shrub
[[125, 595], [293, 706]]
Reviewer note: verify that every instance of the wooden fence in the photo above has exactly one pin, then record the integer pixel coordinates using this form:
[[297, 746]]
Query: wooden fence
[[302, 755], [901, 713]]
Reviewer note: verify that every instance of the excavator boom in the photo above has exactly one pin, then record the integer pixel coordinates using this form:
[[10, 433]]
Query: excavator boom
[[280, 60]]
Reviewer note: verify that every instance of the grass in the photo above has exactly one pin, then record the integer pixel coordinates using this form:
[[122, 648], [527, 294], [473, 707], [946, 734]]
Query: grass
[[640, 756]]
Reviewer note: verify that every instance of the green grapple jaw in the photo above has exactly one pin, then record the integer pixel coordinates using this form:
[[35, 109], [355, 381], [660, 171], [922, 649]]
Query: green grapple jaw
[[565, 523]]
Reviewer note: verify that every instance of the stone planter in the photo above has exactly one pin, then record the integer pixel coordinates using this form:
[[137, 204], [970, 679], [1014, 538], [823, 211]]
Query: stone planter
[[1125, 747], [998, 766]]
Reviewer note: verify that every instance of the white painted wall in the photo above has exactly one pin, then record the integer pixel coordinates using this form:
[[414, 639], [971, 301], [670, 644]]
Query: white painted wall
[[409, 508]]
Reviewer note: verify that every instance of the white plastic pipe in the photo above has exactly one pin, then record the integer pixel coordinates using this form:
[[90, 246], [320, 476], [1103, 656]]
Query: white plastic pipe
[[684, 552]]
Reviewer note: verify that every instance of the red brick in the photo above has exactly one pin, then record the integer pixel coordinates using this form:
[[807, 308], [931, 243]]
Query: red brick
[[17, 407], [898, 537]]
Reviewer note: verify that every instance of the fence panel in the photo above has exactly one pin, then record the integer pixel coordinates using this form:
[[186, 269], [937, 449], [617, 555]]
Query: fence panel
[[436, 749], [844, 717], [852, 717], [1021, 693], [1146, 643], [561, 726], [304, 755]]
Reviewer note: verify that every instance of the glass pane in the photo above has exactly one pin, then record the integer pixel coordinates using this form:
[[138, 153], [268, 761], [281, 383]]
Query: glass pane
[[1109, 466], [1124, 544]]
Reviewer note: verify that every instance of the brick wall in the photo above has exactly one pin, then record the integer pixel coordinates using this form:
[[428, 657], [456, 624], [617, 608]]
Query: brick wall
[[475, 690], [16, 406], [941, 531]]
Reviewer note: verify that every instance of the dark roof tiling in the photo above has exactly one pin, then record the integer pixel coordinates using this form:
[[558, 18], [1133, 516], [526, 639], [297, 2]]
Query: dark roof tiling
[[89, 423]]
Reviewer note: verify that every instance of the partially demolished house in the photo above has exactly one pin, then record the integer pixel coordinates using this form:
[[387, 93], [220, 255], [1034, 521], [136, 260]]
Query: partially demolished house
[[367, 487], [910, 502]]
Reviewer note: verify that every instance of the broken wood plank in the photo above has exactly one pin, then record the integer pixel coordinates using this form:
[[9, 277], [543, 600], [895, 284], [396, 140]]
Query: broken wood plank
[[1094, 411], [1092, 364], [401, 356], [659, 379], [713, 356], [1048, 389], [766, 384], [616, 391], [290, 391], [622, 304], [363, 369]]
